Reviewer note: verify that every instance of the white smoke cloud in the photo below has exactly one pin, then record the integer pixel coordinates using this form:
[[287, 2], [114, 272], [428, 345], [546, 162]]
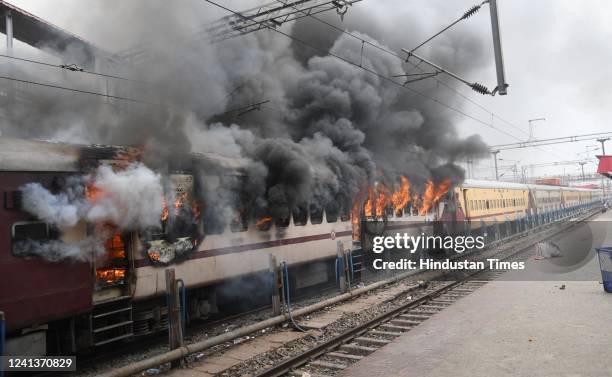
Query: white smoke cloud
[[130, 199], [61, 210], [57, 250]]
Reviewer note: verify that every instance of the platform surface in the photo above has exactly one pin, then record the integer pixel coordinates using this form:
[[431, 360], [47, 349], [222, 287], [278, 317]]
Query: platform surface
[[510, 328]]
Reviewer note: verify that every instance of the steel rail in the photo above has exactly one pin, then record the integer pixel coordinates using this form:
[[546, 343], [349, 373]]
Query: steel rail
[[301, 359], [327, 346]]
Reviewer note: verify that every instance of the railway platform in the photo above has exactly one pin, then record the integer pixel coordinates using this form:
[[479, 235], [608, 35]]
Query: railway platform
[[513, 327]]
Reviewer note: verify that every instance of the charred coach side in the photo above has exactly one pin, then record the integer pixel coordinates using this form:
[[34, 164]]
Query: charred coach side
[[88, 232]]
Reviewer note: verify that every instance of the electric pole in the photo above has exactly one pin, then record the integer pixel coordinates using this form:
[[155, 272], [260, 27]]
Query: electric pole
[[494, 153], [603, 153], [531, 133], [603, 145], [531, 127], [502, 86], [582, 167]]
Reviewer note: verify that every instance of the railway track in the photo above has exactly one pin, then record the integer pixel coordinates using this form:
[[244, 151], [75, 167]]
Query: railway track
[[339, 352]]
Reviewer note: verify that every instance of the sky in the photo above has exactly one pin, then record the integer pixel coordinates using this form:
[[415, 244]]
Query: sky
[[556, 59]]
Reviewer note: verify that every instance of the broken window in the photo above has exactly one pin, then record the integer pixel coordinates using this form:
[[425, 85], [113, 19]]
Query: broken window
[[264, 223], [282, 221], [300, 215], [316, 214], [345, 210], [30, 237], [112, 271], [212, 218], [332, 210]]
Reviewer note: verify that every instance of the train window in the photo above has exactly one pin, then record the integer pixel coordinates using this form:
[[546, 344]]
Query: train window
[[30, 230], [316, 214], [263, 223], [282, 221], [26, 235], [300, 215], [345, 211], [213, 221], [331, 212]]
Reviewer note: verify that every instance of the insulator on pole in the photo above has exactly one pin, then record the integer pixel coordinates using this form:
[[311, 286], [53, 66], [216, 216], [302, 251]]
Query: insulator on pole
[[479, 88], [470, 12]]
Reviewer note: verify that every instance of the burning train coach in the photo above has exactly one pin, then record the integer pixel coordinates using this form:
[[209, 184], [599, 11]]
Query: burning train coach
[[87, 233]]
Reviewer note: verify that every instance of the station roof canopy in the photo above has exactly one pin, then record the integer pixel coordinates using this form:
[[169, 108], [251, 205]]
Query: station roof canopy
[[40, 33], [605, 166]]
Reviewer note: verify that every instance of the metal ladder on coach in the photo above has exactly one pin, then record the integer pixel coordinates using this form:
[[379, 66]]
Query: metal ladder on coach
[[111, 320], [357, 259]]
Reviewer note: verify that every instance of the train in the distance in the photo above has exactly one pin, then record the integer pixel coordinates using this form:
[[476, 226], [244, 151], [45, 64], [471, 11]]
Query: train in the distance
[[64, 306]]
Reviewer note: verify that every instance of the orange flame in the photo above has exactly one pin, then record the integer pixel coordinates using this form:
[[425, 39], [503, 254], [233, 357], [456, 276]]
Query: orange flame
[[355, 220], [110, 275], [196, 209], [442, 189], [383, 199], [427, 198], [433, 194], [401, 197], [154, 255], [179, 201], [115, 247], [94, 193], [368, 205], [263, 223], [165, 213], [379, 198]]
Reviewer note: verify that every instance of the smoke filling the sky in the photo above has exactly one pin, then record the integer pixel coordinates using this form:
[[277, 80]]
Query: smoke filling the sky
[[328, 129]]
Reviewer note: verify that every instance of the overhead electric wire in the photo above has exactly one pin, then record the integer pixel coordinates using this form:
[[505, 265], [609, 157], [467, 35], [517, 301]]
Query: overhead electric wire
[[79, 91], [392, 53], [71, 67], [469, 13], [381, 76]]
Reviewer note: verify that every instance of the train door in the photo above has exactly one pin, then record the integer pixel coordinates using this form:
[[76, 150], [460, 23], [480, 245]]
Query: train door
[[111, 318]]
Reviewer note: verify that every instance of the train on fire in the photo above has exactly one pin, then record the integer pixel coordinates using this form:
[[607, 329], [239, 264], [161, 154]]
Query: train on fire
[[61, 307]]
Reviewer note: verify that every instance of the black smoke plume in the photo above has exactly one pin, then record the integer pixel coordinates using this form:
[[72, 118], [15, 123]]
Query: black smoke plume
[[328, 130]]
